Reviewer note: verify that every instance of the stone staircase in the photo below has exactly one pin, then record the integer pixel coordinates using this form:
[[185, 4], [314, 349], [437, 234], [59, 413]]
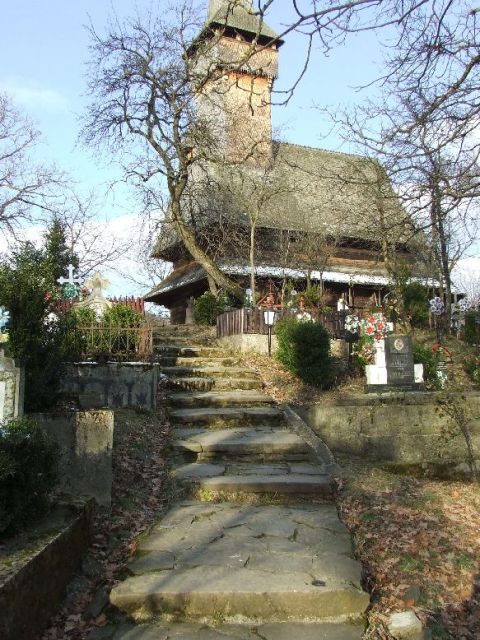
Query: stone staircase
[[253, 548]]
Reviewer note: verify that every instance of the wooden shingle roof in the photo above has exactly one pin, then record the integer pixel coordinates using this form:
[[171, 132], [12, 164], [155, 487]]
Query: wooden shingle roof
[[307, 189]]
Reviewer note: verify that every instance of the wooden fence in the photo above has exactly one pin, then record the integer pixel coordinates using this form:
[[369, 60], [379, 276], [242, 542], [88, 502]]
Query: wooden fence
[[246, 320], [113, 342]]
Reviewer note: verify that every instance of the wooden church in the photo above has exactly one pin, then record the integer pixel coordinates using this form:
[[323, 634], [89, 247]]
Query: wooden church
[[319, 217]]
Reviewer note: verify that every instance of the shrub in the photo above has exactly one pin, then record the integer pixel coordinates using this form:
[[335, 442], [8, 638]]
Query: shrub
[[304, 349], [36, 334], [28, 473], [109, 335], [472, 329], [415, 299], [207, 307], [472, 368], [424, 355]]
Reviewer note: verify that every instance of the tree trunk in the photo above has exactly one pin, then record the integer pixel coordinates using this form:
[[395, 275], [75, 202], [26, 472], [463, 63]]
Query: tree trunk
[[191, 244], [252, 261]]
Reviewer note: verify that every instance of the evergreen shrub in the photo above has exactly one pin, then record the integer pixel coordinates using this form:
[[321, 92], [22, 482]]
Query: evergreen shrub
[[471, 332], [28, 473], [415, 299], [304, 350], [36, 333], [109, 335], [423, 355], [207, 307], [472, 368]]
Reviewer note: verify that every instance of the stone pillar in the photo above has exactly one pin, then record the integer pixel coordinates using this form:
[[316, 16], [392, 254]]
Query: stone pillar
[[12, 384]]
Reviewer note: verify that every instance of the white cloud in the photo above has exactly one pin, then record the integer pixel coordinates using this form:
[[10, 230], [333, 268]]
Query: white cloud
[[37, 97]]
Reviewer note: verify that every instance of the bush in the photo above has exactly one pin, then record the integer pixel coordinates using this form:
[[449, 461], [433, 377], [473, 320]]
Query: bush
[[207, 307], [415, 299], [472, 329], [304, 349], [110, 334], [36, 334], [28, 473], [424, 355], [472, 368]]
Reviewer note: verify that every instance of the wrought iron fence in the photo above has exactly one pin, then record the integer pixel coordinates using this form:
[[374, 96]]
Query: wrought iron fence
[[246, 320], [113, 342]]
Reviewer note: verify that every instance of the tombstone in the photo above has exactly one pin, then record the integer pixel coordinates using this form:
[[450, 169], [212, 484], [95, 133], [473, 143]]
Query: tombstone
[[12, 389], [394, 368], [96, 300]]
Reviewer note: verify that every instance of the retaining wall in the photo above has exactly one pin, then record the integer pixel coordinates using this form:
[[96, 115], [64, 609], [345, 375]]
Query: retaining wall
[[85, 441], [259, 343], [404, 428], [29, 597], [113, 385]]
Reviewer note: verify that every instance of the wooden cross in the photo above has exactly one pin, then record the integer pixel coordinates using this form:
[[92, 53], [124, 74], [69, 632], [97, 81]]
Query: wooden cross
[[71, 279]]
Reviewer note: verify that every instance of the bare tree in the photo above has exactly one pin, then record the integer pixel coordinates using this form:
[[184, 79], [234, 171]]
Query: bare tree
[[143, 85], [27, 191]]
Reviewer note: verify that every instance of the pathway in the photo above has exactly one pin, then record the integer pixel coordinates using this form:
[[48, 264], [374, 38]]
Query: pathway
[[253, 548]]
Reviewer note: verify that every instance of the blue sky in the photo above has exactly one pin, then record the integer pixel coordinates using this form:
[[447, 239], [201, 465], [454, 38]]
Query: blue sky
[[44, 48], [43, 55]]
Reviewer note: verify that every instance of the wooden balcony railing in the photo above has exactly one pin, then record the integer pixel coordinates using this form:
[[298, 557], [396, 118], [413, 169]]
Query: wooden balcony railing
[[239, 321]]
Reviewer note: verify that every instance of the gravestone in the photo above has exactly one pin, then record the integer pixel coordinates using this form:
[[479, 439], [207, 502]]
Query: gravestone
[[12, 384], [394, 368], [399, 360], [96, 300]]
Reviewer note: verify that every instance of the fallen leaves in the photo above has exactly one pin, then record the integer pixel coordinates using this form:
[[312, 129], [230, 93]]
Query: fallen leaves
[[418, 541], [138, 497]]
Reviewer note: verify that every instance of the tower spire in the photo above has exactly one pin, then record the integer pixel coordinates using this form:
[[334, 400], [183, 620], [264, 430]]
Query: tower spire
[[214, 6]]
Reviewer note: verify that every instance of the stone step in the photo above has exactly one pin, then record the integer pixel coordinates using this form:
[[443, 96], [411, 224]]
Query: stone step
[[203, 361], [227, 417], [240, 442], [263, 564], [219, 399], [207, 372], [179, 341], [215, 384], [192, 352], [199, 631], [254, 478]]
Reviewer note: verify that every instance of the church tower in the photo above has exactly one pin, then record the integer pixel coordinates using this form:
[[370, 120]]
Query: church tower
[[238, 53]]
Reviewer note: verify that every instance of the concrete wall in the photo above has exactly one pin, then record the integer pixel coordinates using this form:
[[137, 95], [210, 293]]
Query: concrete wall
[[32, 594], [259, 343], [113, 385], [403, 428], [85, 441]]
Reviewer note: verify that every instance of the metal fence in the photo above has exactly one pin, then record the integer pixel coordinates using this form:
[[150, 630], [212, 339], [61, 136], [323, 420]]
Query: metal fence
[[113, 342], [239, 321]]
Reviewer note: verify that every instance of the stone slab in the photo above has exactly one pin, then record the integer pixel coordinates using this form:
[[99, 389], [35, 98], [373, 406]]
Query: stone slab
[[221, 591], [195, 470], [153, 561], [287, 484], [219, 398], [276, 631], [216, 415], [306, 631]]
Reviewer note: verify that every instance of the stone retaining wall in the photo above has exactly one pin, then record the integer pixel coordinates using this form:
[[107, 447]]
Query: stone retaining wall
[[85, 441], [113, 385], [259, 344], [31, 595], [400, 428]]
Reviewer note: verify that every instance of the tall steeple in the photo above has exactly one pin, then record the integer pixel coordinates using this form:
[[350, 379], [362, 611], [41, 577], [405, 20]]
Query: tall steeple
[[237, 101]]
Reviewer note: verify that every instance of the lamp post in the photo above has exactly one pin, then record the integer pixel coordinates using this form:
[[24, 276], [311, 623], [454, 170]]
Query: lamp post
[[269, 316]]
